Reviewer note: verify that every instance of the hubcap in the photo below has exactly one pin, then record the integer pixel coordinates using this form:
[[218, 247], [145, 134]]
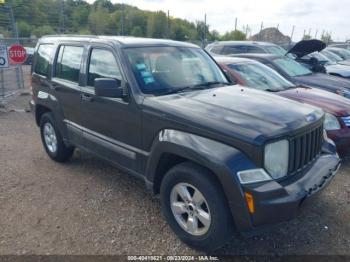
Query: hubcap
[[190, 209], [50, 138]]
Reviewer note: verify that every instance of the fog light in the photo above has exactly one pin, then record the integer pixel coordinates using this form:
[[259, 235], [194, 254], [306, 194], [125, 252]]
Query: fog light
[[250, 202], [253, 176]]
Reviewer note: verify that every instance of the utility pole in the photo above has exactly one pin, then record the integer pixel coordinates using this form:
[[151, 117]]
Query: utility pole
[[13, 22], [62, 18], [205, 30], [122, 21], [236, 24], [261, 28], [278, 25], [316, 33], [168, 27], [291, 35]]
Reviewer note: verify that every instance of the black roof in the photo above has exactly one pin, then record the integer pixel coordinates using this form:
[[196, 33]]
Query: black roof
[[126, 41]]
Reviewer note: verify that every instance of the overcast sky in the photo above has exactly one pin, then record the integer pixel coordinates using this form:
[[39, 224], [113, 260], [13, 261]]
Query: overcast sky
[[328, 15]]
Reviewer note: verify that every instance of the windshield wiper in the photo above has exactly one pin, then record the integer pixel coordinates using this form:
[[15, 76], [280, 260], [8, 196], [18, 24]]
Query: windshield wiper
[[194, 87]]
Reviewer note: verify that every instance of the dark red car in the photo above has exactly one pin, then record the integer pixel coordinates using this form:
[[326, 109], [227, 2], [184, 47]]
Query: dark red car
[[256, 75]]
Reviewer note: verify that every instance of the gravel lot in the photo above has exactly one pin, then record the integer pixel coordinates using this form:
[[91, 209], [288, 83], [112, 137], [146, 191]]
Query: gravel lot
[[88, 207]]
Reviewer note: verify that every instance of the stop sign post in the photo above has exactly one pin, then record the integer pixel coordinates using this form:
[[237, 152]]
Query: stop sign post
[[17, 54]]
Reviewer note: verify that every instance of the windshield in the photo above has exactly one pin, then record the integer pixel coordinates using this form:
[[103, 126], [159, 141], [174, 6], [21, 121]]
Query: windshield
[[260, 77], [161, 70], [331, 56], [320, 58], [276, 50], [290, 67]]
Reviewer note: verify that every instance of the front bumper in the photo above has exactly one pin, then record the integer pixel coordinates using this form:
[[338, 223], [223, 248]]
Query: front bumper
[[280, 201], [341, 138]]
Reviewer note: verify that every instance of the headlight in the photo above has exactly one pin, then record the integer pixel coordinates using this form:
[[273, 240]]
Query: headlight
[[331, 122], [276, 158]]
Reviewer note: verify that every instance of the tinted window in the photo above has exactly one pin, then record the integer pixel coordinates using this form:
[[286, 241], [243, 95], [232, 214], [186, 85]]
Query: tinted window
[[102, 65], [42, 59], [160, 70], [291, 68], [234, 49], [68, 63], [254, 50]]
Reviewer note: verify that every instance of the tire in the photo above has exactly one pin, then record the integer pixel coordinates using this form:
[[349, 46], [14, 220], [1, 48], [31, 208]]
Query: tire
[[220, 228], [52, 139]]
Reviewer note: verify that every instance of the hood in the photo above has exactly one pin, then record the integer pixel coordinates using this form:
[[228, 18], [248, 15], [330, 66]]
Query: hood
[[235, 112], [323, 81], [342, 70], [329, 102], [305, 47]]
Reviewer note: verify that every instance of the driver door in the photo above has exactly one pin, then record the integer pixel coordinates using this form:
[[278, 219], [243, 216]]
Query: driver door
[[111, 126]]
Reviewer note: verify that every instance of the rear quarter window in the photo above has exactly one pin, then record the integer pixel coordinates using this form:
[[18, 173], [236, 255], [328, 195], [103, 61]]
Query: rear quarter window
[[68, 62], [42, 59]]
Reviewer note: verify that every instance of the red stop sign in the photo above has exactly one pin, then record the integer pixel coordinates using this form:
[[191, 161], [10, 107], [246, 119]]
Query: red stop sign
[[17, 54]]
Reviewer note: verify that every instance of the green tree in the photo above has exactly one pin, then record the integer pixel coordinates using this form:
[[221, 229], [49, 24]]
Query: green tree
[[137, 31], [234, 35], [307, 37], [327, 38], [24, 30], [98, 20], [43, 30], [157, 25]]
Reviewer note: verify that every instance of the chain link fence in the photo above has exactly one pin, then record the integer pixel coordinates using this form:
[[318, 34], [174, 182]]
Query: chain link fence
[[15, 78]]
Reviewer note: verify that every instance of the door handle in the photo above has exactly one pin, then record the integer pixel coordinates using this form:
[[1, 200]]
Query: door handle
[[86, 97]]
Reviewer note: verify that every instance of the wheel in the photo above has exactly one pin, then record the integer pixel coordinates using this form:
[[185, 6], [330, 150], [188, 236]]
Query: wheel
[[52, 140], [195, 207]]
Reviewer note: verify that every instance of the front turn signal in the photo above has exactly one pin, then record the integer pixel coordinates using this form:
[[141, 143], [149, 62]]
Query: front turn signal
[[250, 202]]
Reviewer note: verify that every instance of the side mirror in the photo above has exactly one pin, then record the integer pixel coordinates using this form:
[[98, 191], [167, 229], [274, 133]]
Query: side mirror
[[108, 87]]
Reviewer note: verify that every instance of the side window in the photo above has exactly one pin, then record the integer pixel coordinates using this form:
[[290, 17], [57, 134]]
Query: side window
[[255, 50], [102, 65], [68, 63], [234, 49], [42, 59]]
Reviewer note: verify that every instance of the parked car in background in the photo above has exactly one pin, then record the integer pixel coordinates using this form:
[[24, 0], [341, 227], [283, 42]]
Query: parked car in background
[[30, 53], [301, 75], [343, 53], [164, 111], [343, 46], [256, 75], [307, 52], [335, 58], [315, 60], [242, 47]]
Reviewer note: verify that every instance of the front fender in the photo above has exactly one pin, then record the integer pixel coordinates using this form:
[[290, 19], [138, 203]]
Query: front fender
[[224, 161]]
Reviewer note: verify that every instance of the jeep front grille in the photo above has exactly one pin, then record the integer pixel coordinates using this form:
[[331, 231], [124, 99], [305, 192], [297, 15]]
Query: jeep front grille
[[304, 148]]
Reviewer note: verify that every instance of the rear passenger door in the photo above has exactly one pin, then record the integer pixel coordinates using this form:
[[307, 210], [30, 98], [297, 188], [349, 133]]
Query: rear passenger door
[[65, 82], [111, 126]]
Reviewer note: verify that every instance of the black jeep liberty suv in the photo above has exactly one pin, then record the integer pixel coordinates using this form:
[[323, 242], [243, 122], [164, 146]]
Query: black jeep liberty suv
[[222, 158]]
